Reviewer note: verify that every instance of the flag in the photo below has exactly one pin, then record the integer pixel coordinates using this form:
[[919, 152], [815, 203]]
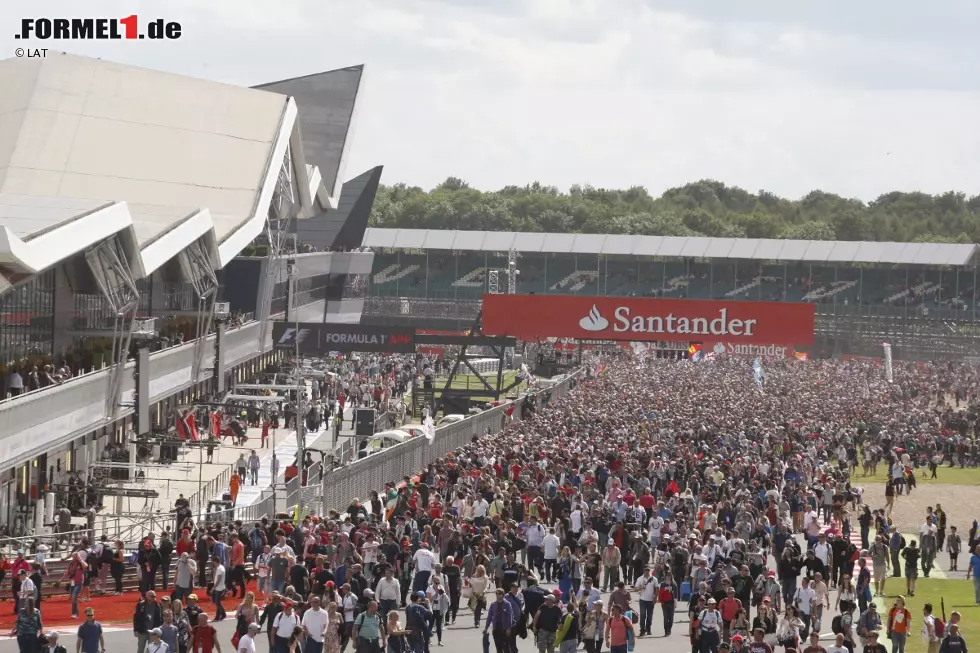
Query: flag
[[216, 424], [760, 376], [429, 428], [187, 425]]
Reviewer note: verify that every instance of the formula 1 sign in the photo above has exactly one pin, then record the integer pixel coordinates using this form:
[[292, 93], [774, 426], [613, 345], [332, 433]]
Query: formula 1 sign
[[317, 338], [532, 317]]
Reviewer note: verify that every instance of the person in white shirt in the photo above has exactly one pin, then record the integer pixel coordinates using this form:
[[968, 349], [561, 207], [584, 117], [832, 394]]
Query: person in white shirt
[[218, 591], [247, 643], [576, 521], [550, 546], [534, 535], [314, 623], [480, 509], [805, 598], [647, 585], [262, 564], [823, 552], [655, 524], [27, 588], [711, 625], [425, 562], [284, 625], [388, 593], [15, 382]]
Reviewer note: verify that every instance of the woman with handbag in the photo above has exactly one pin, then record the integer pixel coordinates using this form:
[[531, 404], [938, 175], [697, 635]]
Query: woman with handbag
[[396, 635], [788, 630], [246, 614]]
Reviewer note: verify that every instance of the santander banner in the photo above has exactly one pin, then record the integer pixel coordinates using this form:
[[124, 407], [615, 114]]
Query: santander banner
[[532, 317]]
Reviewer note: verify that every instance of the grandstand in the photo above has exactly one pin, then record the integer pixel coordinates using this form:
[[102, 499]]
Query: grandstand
[[920, 296]]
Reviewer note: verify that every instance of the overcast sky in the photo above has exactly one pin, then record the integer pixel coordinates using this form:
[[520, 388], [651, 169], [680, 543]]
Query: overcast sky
[[857, 98]]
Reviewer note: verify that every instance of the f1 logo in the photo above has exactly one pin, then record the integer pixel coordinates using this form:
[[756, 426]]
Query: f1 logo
[[293, 337], [399, 340]]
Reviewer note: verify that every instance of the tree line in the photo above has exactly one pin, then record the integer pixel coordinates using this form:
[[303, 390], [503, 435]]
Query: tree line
[[703, 208]]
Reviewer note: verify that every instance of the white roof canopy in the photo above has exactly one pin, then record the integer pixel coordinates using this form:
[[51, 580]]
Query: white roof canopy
[[90, 148], [801, 251]]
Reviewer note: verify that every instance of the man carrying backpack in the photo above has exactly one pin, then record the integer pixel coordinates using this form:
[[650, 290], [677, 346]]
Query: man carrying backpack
[[934, 629], [710, 625]]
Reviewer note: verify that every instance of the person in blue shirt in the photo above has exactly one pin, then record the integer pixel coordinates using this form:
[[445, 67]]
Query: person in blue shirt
[[973, 572], [500, 619], [90, 634], [418, 620]]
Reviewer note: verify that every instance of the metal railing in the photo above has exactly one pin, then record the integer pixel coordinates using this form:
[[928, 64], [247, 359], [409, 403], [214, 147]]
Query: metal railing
[[357, 479], [127, 528], [58, 384], [338, 487]]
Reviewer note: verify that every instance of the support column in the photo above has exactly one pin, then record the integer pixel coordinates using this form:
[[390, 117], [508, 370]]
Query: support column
[[64, 310], [132, 462], [142, 421], [156, 295], [219, 359]]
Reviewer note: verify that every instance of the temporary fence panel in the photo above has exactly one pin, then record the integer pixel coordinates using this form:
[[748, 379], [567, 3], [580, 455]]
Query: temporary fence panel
[[393, 464], [335, 489]]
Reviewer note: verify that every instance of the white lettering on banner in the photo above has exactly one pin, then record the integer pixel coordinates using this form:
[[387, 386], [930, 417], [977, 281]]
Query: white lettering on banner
[[737, 349], [357, 338], [698, 326]]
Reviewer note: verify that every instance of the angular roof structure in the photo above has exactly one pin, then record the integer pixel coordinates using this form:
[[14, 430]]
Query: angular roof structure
[[344, 226], [327, 109], [805, 251], [90, 149]]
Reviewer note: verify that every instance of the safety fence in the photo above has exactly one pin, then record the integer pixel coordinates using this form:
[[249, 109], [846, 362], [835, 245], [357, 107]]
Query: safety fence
[[325, 489], [334, 489], [357, 479]]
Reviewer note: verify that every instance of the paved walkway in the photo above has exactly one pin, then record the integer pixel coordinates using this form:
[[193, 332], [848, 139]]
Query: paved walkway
[[285, 452]]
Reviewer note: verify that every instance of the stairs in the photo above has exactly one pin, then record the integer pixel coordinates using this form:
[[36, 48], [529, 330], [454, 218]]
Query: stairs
[[474, 279], [926, 288], [747, 287], [828, 291], [677, 283], [392, 273], [576, 280]]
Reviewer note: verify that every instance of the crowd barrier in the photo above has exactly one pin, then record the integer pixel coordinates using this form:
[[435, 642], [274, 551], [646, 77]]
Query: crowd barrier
[[334, 489]]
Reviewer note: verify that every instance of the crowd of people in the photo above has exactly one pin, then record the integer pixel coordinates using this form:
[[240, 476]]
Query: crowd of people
[[683, 485]]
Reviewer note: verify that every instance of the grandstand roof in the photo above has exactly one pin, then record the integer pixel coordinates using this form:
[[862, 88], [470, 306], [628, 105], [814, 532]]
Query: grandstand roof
[[762, 249]]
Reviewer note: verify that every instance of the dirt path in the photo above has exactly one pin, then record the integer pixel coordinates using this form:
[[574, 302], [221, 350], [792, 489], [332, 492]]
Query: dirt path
[[961, 503]]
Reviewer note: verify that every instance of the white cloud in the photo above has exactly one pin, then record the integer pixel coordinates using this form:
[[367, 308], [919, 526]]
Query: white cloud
[[609, 93]]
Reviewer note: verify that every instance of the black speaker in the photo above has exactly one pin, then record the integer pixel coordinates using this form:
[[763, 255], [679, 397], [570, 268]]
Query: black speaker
[[364, 423], [455, 404]]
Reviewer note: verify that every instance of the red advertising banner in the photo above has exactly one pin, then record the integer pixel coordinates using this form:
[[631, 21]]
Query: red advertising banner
[[532, 317]]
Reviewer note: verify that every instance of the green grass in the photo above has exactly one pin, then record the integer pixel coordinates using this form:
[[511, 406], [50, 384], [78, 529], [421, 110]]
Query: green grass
[[472, 382], [944, 476], [958, 595]]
